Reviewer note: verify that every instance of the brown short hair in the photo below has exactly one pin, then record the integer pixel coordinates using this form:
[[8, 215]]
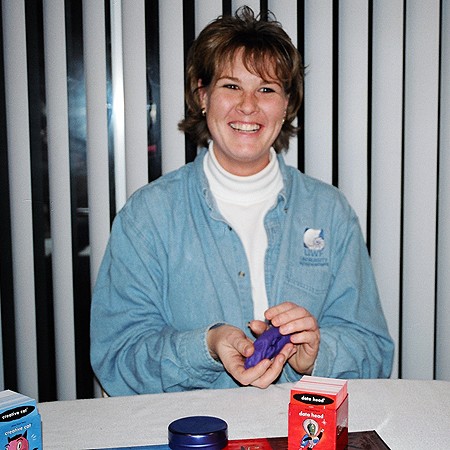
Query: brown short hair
[[262, 42]]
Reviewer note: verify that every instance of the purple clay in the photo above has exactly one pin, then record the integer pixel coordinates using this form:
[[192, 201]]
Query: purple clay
[[268, 345]]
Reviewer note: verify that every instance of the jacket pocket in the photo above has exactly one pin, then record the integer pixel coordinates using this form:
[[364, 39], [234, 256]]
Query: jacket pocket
[[314, 279]]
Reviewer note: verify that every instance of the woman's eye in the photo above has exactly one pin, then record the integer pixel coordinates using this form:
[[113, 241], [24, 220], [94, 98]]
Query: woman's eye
[[267, 89], [230, 86]]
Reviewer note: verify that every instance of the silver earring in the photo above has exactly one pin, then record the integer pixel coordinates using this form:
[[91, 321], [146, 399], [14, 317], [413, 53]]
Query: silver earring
[[204, 112]]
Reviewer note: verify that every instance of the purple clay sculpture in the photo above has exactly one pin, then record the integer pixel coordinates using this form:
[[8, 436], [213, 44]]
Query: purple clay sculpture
[[268, 345]]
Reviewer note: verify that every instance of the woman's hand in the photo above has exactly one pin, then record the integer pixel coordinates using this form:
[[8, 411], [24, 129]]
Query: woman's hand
[[305, 333], [231, 346]]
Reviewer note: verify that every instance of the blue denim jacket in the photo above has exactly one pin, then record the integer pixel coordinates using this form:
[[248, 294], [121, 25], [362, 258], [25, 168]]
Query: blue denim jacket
[[173, 268]]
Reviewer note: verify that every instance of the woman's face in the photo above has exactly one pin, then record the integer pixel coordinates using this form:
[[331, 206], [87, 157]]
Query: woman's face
[[244, 114]]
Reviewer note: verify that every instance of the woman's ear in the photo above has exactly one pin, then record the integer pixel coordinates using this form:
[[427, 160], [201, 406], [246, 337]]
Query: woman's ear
[[202, 94]]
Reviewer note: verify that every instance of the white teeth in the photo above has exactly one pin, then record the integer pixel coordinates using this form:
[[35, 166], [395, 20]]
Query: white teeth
[[245, 126]]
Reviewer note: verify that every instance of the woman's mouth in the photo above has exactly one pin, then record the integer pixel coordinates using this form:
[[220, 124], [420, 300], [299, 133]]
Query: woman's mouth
[[245, 127]]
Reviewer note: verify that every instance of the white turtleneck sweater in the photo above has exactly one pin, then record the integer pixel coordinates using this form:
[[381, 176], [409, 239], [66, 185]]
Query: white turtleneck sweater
[[244, 202]]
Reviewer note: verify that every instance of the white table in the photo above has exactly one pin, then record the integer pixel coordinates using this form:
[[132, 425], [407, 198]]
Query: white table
[[405, 413]]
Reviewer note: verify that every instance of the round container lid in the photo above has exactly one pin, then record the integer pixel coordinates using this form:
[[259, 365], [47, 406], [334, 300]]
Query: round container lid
[[198, 432]]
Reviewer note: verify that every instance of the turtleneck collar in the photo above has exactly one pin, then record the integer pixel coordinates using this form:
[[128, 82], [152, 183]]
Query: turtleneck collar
[[239, 189]]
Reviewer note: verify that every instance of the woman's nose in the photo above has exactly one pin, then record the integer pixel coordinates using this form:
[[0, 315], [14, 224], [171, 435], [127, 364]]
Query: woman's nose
[[248, 103]]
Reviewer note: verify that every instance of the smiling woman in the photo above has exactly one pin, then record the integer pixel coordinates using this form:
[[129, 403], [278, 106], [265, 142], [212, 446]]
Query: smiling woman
[[208, 257]]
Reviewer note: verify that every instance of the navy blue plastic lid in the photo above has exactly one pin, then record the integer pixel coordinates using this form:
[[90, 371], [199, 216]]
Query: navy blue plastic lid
[[198, 432]]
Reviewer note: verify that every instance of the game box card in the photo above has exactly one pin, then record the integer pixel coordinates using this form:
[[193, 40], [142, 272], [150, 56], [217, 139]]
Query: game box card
[[318, 414], [20, 422]]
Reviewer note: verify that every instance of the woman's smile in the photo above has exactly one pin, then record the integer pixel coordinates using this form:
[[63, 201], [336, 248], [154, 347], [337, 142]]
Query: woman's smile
[[245, 127]]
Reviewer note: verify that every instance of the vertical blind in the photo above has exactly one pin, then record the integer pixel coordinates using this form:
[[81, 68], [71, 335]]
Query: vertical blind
[[91, 93]]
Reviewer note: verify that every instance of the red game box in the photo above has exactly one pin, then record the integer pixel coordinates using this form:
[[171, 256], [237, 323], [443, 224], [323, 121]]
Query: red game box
[[318, 414]]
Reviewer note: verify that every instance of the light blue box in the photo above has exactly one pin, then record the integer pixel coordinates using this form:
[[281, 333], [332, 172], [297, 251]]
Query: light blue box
[[20, 422]]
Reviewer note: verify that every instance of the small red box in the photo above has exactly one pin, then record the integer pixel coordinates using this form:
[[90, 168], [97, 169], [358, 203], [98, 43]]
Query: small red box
[[318, 414]]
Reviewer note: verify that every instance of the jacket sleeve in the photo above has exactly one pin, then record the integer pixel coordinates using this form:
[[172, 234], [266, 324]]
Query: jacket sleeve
[[355, 342], [133, 348]]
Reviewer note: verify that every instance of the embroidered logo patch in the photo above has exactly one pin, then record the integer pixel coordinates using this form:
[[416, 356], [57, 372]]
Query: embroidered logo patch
[[314, 239]]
